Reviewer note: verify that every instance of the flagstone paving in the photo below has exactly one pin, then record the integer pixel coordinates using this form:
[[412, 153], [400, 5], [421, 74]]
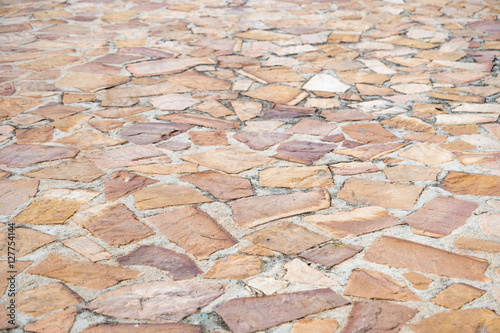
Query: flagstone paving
[[245, 165]]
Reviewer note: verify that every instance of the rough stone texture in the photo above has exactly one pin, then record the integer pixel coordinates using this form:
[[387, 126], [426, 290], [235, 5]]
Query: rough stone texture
[[261, 140], [470, 320], [235, 267], [75, 170], [457, 295], [59, 322], [128, 156], [122, 183], [296, 177], [146, 133], [145, 328], [26, 155], [475, 244], [471, 184], [331, 254], [419, 281], [299, 271], [14, 193], [489, 224], [163, 195], [315, 325], [223, 187], [87, 248], [303, 151], [27, 240]]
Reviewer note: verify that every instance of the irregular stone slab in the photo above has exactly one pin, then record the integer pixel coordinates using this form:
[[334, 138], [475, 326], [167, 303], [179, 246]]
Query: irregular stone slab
[[122, 183], [439, 217], [481, 141], [402, 253], [427, 153], [378, 317], [178, 266], [27, 241], [331, 254], [325, 82], [208, 138], [235, 61], [201, 82], [71, 124], [262, 285], [303, 151], [261, 140], [122, 112], [145, 90], [145, 328], [472, 157], [57, 111], [214, 108], [363, 191], [87, 248], [296, 177], [353, 223], [246, 109], [339, 116], [199, 120], [353, 168], [223, 187], [479, 108], [20, 156], [471, 184], [74, 170], [174, 145], [251, 212], [419, 281], [273, 75], [372, 152], [411, 173], [12, 107], [173, 102], [370, 133], [166, 66], [114, 223], [493, 129], [14, 193], [146, 133], [235, 267], [81, 273], [245, 315], [275, 93], [34, 135], [489, 224], [128, 156], [470, 320], [162, 169], [89, 139], [229, 160], [457, 295], [312, 127], [160, 301], [475, 244], [59, 322], [287, 238], [91, 81], [409, 124], [256, 250], [47, 298], [193, 230], [376, 285], [55, 206], [164, 195], [459, 119], [299, 271], [288, 111], [315, 325]]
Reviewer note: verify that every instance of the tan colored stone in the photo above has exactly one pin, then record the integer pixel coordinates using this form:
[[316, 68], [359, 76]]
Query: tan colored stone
[[208, 138], [474, 244], [223, 187], [166, 66], [353, 168], [465, 118], [246, 110], [427, 153], [122, 183], [470, 320], [274, 93], [87, 248], [162, 169], [296, 177], [214, 108], [312, 127], [489, 224], [372, 152], [273, 75], [402, 253], [362, 77], [199, 82], [122, 112], [305, 152], [76, 170], [419, 281], [262, 285], [200, 120], [90, 81], [299, 271], [251, 212], [20, 156], [128, 156], [470, 158], [410, 173], [409, 124], [34, 135], [315, 325], [163, 195], [471, 184], [14, 193], [235, 267], [47, 298], [193, 230], [27, 241], [260, 140], [253, 249], [71, 124], [90, 140], [58, 322], [144, 328], [5, 272], [457, 295], [47, 63]]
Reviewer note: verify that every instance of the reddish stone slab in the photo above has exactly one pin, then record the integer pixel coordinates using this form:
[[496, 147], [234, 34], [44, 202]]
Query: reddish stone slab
[[353, 168], [14, 193], [56, 111], [261, 140], [34, 135], [303, 151], [372, 152], [144, 328], [339, 116], [145, 133], [369, 133], [122, 183], [470, 320], [128, 156], [163, 195], [223, 187], [58, 322], [75, 170], [331, 254], [471, 184], [20, 156], [199, 120]]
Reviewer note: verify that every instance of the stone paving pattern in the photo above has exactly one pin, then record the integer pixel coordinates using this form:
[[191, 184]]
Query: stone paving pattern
[[251, 165]]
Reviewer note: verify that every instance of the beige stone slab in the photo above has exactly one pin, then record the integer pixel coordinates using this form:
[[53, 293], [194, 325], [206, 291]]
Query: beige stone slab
[[235, 267], [427, 153], [299, 271], [164, 195], [457, 295], [91, 82], [296, 177]]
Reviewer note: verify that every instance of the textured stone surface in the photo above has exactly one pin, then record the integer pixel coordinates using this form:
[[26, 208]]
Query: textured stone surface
[[80, 170], [121, 183], [296, 177], [28, 240], [315, 325], [471, 184], [235, 267], [163, 195], [27, 155], [14, 193], [146, 328], [470, 320], [457, 295], [331, 254], [59, 322], [146, 133], [223, 187], [128, 156], [299, 271], [303, 151]]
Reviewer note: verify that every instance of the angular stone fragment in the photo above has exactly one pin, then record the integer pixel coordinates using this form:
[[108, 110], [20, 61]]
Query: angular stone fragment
[[325, 82], [173, 102], [469, 158], [246, 109], [470, 118], [299, 271], [122, 112], [58, 322], [145, 90], [57, 111], [261, 140], [164, 195], [74, 170], [362, 192], [474, 244], [411, 173], [376, 285], [128, 156], [34, 135], [193, 230], [89, 139], [409, 124], [199, 82], [114, 223], [235, 267], [245, 315], [402, 253], [14, 193], [372, 152], [54, 206], [81, 273], [122, 183], [471, 184], [87, 248], [470, 320], [166, 66], [223, 187], [439, 217], [296, 177], [287, 111], [489, 224], [370, 133], [26, 241], [144, 328], [303, 151], [419, 281], [214, 108], [199, 120], [208, 138], [427, 153], [229, 160], [47, 298], [157, 301], [331, 254], [178, 266], [312, 127], [287, 238], [20, 156], [315, 325], [353, 223], [251, 212], [353, 168], [272, 75], [145, 133], [378, 317], [91, 81], [275, 93], [457, 295]]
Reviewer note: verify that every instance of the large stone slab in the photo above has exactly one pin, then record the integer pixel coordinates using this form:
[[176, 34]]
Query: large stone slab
[[470, 320], [146, 133], [163, 195], [235, 267], [144, 328], [26, 241], [58, 322], [20, 156], [128, 156], [200, 120], [303, 151], [223, 187], [122, 183], [260, 140], [91, 81], [296, 177], [427, 153], [14, 193], [372, 152], [471, 184], [166, 66], [80, 170], [274, 93], [331, 254], [201, 82], [457, 295], [251, 212], [369, 133], [411, 173]]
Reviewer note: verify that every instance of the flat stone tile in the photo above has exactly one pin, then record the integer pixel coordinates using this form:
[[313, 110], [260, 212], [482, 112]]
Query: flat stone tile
[[146, 328], [79, 170], [146, 133], [468, 320], [261, 140], [235, 267], [87, 248], [299, 271], [14, 193], [471, 184], [296, 177], [61, 321], [457, 295], [128, 156], [19, 156], [223, 187], [331, 254], [164, 195]]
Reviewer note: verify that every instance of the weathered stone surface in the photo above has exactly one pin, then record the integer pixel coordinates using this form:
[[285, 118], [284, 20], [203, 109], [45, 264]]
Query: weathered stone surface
[[26, 241], [159, 301], [296, 177], [47, 298], [178, 266], [261, 140], [470, 320], [353, 168], [376, 285], [244, 315], [223, 187], [229, 160], [20, 156], [427, 153], [378, 317], [87, 248], [14, 193], [472, 157], [34, 135], [122, 183], [353, 223], [339, 116], [251, 212], [441, 216], [208, 138], [145, 328], [114, 223], [281, 111], [200, 120], [54, 206], [370, 133], [419, 281], [303, 151], [312, 127], [372, 152], [71, 124], [256, 250], [214, 108], [315, 325], [299, 271], [325, 82], [331, 254], [475, 244], [489, 224], [471, 184], [58, 322], [146, 133], [57, 111], [457, 295], [411, 173], [173, 102], [361, 191], [82, 273], [235, 267], [409, 124], [162, 169], [89, 139], [128, 156], [91, 81], [401, 253], [163, 195], [145, 90], [287, 238], [76, 170], [166, 66], [275, 93], [199, 82], [193, 230]]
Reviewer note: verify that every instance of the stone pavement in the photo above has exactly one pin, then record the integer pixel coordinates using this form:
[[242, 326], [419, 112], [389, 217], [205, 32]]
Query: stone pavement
[[250, 165]]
